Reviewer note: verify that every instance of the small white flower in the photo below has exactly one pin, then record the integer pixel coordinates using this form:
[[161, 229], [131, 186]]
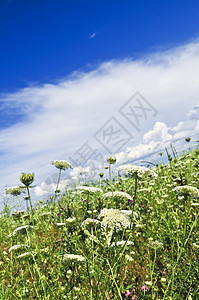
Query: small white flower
[[195, 245], [73, 257], [71, 220], [117, 194], [61, 224], [15, 247], [156, 245], [89, 221], [22, 230], [122, 243], [90, 189], [24, 255]]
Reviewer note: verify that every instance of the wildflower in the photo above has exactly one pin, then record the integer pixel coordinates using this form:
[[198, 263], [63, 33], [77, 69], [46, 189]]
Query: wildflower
[[71, 220], [61, 164], [155, 245], [114, 218], [194, 192], [15, 247], [149, 283], [129, 258], [89, 221], [132, 169], [117, 194], [144, 288], [195, 245], [24, 255], [27, 178], [76, 289], [89, 189], [128, 294], [111, 160], [195, 204], [163, 280], [73, 258], [61, 224], [46, 214], [22, 230], [69, 273], [122, 243], [14, 190]]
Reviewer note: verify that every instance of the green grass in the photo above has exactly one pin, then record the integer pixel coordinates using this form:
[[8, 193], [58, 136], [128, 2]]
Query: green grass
[[158, 260]]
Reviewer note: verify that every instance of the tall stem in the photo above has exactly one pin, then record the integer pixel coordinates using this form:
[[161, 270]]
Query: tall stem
[[57, 185]]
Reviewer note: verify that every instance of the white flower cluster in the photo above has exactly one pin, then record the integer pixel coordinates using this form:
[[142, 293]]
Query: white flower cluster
[[121, 243], [117, 194], [193, 191], [71, 220], [15, 247], [114, 218], [73, 258], [89, 189], [156, 245], [61, 164], [14, 190], [24, 255], [132, 169], [22, 230], [89, 221], [61, 224]]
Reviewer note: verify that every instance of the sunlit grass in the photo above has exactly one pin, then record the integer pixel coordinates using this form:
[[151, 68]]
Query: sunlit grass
[[132, 236]]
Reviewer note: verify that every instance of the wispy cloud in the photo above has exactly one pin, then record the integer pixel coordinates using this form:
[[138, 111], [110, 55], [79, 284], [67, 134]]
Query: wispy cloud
[[93, 35], [58, 118]]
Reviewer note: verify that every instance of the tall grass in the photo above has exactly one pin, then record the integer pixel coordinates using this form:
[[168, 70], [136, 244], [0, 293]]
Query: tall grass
[[94, 243]]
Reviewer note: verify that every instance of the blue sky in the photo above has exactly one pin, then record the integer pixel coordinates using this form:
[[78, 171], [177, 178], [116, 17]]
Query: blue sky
[[68, 67], [42, 41]]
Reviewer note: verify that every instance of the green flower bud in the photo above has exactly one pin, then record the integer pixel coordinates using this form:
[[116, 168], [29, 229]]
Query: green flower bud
[[111, 160], [27, 178]]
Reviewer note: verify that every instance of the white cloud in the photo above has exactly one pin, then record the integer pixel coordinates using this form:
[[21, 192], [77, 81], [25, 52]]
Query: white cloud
[[158, 133], [60, 117]]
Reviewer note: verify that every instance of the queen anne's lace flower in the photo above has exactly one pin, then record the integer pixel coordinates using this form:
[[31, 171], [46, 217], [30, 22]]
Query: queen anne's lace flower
[[15, 247], [71, 220], [114, 218], [89, 221], [193, 191], [61, 164], [89, 189], [132, 169], [25, 255], [156, 245], [14, 190], [22, 230], [117, 194], [122, 243], [73, 258]]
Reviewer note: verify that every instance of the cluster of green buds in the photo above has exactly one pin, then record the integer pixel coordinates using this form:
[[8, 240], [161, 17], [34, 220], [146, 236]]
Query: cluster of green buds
[[61, 164], [27, 178], [111, 160], [14, 191]]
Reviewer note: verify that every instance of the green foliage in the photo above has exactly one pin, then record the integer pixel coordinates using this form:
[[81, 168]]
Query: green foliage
[[86, 246]]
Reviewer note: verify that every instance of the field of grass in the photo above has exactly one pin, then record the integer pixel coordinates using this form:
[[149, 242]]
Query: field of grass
[[133, 236]]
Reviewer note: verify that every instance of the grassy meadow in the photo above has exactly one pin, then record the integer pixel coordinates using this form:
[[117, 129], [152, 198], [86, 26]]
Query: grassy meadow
[[131, 236]]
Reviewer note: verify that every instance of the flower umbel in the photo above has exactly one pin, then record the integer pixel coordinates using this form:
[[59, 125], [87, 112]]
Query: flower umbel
[[61, 164]]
